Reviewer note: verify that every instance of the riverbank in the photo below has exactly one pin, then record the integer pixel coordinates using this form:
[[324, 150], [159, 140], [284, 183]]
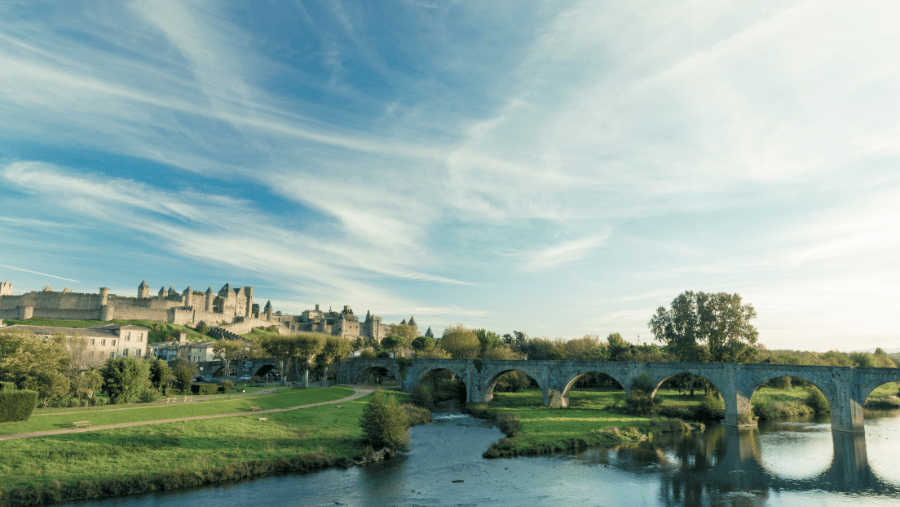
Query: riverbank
[[165, 456], [597, 417]]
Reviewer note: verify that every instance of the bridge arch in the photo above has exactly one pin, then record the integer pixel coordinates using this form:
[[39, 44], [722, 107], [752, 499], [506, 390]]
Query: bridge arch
[[492, 370], [264, 370], [619, 378], [383, 370]]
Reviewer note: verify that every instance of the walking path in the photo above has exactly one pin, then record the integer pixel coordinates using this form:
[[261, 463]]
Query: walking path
[[360, 391]]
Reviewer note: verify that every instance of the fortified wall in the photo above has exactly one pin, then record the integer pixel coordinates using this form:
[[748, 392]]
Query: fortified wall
[[231, 308]]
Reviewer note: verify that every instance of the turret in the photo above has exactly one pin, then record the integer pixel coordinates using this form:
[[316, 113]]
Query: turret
[[412, 322], [5, 288], [47, 289], [172, 291], [187, 297], [162, 292], [143, 290], [209, 300], [268, 310], [429, 333], [225, 292], [67, 291], [403, 323]]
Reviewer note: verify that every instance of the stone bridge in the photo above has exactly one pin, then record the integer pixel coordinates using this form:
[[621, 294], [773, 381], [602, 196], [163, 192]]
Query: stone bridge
[[241, 367], [845, 388]]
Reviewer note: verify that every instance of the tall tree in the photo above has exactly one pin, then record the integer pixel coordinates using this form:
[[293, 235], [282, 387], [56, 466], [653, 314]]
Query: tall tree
[[335, 349], [707, 327], [226, 350], [460, 342], [281, 348], [125, 379], [35, 363], [308, 346]]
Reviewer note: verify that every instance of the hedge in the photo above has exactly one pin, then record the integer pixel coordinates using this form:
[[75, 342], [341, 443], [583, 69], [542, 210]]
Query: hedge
[[17, 406], [204, 388], [7, 386]]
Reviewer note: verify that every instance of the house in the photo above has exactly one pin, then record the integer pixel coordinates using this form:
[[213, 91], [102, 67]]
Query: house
[[92, 346]]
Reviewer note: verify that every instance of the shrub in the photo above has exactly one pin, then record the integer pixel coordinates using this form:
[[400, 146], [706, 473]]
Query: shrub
[[17, 406], [150, 395], [7, 386], [98, 401], [510, 424], [416, 415], [227, 386], [816, 400], [641, 400], [204, 388], [422, 397], [384, 423], [712, 408]]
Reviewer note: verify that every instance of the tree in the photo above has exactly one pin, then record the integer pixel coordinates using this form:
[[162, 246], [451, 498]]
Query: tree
[[405, 332], [718, 321], [392, 343], [35, 364], [384, 423], [706, 327], [423, 343], [308, 346], [281, 348], [86, 383], [184, 372], [125, 379], [487, 340], [460, 342], [227, 351], [586, 348], [335, 349], [160, 374]]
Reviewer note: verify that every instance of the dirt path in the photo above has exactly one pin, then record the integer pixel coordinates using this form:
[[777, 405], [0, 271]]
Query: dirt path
[[360, 392]]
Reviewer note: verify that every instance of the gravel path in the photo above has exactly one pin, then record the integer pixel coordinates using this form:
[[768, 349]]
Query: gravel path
[[360, 392]]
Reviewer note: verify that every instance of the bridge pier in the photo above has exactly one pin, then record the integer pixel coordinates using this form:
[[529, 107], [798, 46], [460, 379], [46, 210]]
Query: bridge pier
[[847, 407]]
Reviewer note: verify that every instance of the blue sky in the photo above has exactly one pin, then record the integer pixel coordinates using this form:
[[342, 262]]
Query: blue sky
[[559, 168]]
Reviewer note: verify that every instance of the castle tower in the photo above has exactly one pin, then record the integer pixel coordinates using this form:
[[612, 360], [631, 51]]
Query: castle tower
[[268, 310], [5, 288], [104, 296], [412, 322], [143, 290], [248, 293], [47, 289], [162, 292], [209, 300], [187, 297], [106, 310], [403, 323], [429, 333], [67, 291], [172, 291]]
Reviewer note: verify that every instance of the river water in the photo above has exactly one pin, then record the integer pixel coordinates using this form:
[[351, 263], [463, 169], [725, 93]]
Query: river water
[[788, 463]]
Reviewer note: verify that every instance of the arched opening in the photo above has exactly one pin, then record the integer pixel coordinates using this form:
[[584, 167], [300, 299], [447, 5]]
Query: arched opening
[[594, 390], [267, 373], [884, 397], [787, 397], [513, 388], [376, 375], [688, 397], [447, 389]]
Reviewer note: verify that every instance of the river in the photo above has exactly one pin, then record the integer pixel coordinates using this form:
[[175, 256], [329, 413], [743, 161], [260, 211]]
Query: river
[[786, 463]]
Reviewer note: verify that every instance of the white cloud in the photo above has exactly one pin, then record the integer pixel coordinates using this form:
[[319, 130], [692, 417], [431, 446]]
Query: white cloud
[[565, 253]]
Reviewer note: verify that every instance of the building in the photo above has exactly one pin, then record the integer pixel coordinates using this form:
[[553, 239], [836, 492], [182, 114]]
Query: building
[[92, 346], [195, 352]]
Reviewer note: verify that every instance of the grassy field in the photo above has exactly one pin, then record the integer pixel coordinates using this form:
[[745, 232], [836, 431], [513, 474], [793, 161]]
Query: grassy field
[[117, 414], [158, 330], [194, 446]]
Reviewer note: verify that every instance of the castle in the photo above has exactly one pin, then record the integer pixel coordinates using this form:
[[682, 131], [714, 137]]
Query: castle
[[230, 308]]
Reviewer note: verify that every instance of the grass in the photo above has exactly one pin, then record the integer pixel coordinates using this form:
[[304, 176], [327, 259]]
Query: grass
[[258, 333], [117, 414], [209, 451], [158, 330]]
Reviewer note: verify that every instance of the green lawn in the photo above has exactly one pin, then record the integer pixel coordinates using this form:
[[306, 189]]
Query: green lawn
[[189, 445], [101, 416]]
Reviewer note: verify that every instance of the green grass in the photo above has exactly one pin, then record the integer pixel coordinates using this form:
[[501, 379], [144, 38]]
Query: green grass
[[158, 330], [101, 416], [258, 333], [147, 451], [588, 410]]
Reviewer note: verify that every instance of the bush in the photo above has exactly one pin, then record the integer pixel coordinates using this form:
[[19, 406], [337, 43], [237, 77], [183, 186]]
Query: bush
[[416, 415], [384, 423], [817, 400], [17, 406], [712, 408], [204, 388], [150, 395], [227, 386], [7, 386], [640, 400], [422, 397], [98, 401]]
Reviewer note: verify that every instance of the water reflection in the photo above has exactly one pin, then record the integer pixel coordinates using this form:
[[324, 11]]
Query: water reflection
[[718, 467]]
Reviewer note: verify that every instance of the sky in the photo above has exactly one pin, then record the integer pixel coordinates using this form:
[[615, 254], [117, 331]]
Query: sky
[[557, 168]]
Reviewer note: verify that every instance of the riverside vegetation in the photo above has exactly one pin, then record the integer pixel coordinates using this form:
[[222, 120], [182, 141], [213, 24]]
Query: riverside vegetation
[[165, 456]]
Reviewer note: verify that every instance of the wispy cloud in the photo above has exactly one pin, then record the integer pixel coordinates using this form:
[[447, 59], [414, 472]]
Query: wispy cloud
[[562, 254], [38, 273]]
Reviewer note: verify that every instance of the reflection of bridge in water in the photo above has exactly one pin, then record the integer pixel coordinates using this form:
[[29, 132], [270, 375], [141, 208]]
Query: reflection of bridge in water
[[845, 388], [732, 462]]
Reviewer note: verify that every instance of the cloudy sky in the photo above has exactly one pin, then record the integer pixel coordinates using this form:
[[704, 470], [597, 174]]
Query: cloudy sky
[[558, 168]]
